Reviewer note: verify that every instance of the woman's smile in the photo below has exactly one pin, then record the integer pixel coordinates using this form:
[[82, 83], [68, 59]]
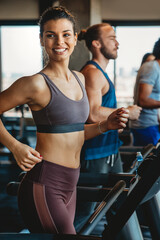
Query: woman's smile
[[59, 51]]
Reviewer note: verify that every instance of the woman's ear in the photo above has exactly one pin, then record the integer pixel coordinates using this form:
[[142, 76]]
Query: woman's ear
[[75, 37], [96, 44]]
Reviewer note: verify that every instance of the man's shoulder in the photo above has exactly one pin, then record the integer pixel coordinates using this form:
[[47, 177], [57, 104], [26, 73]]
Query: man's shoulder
[[89, 68], [91, 71], [94, 77]]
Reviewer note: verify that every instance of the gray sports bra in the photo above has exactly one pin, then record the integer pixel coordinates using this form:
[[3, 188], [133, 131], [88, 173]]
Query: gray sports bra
[[62, 114]]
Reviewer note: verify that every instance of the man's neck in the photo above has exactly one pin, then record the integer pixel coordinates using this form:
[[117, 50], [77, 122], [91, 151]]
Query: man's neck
[[102, 62]]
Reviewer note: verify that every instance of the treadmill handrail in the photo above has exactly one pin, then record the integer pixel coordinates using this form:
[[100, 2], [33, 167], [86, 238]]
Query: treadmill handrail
[[102, 208]]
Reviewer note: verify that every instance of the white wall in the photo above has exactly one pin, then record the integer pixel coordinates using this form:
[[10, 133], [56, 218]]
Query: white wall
[[131, 9]]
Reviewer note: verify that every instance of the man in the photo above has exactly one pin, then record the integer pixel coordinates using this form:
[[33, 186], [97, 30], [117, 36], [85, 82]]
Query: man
[[101, 41], [101, 153], [147, 95]]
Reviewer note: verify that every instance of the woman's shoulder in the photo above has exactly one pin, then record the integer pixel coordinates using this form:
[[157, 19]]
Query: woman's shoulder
[[31, 78], [35, 82]]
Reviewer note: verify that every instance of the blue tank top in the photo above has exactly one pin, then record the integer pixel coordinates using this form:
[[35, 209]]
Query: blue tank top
[[62, 114], [108, 143]]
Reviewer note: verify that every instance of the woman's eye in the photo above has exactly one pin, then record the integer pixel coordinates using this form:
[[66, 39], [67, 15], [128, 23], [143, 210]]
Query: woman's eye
[[66, 35], [50, 36]]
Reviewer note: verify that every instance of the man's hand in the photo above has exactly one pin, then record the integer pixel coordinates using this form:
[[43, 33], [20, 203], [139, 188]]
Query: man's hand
[[134, 112]]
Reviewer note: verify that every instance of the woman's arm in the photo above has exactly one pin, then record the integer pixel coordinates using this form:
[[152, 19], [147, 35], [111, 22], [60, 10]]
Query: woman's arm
[[116, 120], [17, 94], [25, 156]]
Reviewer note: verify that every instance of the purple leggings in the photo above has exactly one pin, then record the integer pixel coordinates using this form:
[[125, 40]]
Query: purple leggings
[[47, 198]]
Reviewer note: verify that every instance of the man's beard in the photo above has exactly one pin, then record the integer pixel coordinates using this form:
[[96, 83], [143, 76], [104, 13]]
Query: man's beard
[[106, 53]]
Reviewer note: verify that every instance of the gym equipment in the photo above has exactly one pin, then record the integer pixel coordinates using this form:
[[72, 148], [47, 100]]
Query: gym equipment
[[18, 126], [11, 220], [147, 186], [128, 155], [110, 179], [22, 138]]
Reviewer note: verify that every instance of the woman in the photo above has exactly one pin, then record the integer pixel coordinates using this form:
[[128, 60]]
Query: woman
[[58, 101]]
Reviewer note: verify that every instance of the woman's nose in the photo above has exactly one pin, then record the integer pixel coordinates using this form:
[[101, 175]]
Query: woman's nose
[[60, 40]]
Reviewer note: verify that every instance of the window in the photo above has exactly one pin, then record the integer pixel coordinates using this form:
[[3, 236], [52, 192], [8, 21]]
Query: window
[[20, 53], [134, 43]]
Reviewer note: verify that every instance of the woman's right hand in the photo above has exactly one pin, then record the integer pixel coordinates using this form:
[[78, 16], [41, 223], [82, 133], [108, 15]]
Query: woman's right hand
[[118, 119], [25, 156]]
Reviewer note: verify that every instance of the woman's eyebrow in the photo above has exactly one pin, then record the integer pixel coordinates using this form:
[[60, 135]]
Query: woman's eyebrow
[[54, 32]]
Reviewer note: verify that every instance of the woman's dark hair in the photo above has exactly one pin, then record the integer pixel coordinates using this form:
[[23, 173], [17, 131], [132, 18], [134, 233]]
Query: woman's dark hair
[[55, 13], [156, 49], [145, 57], [91, 33]]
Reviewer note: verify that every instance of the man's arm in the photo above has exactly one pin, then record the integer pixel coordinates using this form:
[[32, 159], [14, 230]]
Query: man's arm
[[143, 96], [96, 86]]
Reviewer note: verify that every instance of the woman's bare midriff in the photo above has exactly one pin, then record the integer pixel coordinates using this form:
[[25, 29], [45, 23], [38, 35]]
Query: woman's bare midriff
[[61, 148]]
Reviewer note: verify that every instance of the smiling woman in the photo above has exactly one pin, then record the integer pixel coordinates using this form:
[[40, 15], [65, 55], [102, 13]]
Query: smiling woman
[[59, 105], [59, 38]]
